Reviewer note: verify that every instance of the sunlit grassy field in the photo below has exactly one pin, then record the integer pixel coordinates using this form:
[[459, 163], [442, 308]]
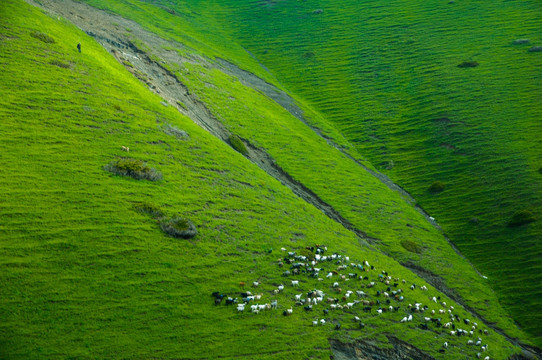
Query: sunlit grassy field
[[85, 275]]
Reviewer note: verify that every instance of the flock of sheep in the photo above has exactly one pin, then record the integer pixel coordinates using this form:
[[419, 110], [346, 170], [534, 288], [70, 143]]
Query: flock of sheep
[[381, 293]]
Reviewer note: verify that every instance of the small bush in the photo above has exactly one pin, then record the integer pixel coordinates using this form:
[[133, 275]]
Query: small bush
[[521, 41], [237, 144], [436, 187], [134, 168], [173, 131], [182, 105], [43, 37], [179, 227], [307, 253], [60, 64], [468, 64], [150, 209], [521, 217], [411, 246], [535, 49]]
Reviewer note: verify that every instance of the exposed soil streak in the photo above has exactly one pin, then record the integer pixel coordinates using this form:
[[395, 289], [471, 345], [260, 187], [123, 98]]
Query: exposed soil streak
[[368, 350]]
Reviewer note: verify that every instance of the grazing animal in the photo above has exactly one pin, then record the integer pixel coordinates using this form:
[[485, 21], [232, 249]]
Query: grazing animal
[[124, 148], [405, 319], [446, 344], [295, 283], [322, 321], [274, 304], [338, 327], [230, 301], [281, 287], [315, 322]]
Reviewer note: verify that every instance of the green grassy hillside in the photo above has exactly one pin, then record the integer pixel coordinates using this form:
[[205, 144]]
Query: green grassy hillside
[[393, 93], [85, 274], [387, 75]]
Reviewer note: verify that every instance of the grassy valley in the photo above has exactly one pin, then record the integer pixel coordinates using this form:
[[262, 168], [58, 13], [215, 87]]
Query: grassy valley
[[87, 269]]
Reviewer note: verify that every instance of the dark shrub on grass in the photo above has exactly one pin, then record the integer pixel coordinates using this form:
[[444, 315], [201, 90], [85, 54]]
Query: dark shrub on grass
[[151, 209], [173, 131], [540, 170], [521, 217], [43, 37], [178, 227], [134, 168], [436, 187], [535, 49], [307, 253], [60, 64], [411, 246], [237, 144], [468, 64]]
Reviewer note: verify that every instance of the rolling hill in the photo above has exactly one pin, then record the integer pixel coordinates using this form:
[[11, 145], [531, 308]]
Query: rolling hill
[[87, 271]]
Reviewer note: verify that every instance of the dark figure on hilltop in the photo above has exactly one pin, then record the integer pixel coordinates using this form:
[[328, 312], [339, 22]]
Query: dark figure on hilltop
[[79, 47]]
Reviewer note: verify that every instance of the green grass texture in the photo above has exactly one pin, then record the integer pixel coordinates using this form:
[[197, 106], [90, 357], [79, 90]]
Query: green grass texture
[[387, 75], [391, 84], [85, 274]]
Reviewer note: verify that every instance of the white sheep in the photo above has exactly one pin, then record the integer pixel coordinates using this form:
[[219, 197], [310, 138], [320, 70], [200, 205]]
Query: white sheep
[[295, 283]]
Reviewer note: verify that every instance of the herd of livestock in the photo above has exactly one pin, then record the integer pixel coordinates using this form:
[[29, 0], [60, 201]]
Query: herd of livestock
[[353, 285]]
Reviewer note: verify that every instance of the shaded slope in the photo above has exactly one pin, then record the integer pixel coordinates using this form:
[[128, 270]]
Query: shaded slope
[[387, 76]]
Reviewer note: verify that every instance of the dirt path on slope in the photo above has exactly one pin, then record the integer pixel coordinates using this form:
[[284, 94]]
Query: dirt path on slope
[[111, 32]]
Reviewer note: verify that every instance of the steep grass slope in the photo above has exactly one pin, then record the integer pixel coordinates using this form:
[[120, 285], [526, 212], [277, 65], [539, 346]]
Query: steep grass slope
[[387, 75], [84, 274], [363, 200]]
